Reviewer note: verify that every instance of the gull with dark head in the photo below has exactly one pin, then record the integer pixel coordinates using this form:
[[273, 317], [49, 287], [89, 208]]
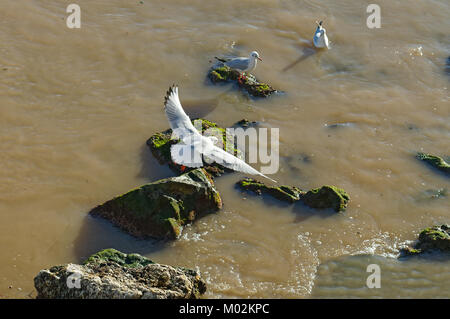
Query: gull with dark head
[[320, 36], [193, 145]]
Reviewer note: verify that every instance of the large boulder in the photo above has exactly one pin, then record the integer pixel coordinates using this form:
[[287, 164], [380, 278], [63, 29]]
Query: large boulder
[[160, 209], [436, 238], [320, 198], [110, 274]]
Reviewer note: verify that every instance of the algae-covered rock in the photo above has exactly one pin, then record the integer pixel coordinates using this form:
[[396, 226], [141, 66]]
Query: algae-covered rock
[[122, 259], [321, 198], [160, 144], [435, 161], [436, 238], [111, 274], [246, 81], [326, 197], [160, 209], [283, 193]]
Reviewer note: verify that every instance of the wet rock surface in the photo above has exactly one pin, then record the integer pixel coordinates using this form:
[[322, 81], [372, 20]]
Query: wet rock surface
[[435, 161], [161, 209], [436, 238], [161, 142], [111, 274], [246, 81], [320, 198]]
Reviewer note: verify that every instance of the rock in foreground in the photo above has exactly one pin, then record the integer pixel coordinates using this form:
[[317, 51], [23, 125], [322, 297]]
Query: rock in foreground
[[111, 274], [320, 198], [435, 238], [160, 209]]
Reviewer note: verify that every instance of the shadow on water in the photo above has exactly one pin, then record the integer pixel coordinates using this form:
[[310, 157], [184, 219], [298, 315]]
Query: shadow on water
[[97, 234], [300, 211], [200, 108], [150, 168], [303, 212], [308, 51]]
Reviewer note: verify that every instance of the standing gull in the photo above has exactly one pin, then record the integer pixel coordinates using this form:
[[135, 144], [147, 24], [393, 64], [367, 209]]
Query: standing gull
[[320, 36], [242, 64], [193, 145]]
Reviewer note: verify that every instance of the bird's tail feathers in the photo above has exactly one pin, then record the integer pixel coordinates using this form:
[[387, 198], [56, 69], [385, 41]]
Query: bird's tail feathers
[[220, 59]]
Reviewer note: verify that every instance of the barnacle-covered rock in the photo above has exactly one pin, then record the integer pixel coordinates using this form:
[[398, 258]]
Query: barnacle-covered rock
[[111, 274]]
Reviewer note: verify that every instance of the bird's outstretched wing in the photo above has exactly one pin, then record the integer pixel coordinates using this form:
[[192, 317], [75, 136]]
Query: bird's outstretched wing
[[230, 161], [180, 123], [187, 155]]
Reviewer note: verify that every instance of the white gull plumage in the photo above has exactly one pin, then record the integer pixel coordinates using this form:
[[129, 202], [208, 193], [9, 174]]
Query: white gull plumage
[[195, 143], [320, 36], [242, 64]]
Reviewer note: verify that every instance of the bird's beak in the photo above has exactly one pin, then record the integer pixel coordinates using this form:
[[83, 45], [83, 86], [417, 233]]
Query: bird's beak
[[259, 58]]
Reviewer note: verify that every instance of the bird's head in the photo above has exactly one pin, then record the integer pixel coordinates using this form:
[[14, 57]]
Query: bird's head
[[320, 28], [255, 55]]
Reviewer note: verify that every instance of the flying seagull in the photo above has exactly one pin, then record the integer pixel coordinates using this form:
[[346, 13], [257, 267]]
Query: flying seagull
[[193, 145], [320, 36], [242, 64]]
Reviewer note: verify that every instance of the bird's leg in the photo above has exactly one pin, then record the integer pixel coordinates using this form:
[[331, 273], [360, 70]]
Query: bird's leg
[[182, 167], [241, 77]]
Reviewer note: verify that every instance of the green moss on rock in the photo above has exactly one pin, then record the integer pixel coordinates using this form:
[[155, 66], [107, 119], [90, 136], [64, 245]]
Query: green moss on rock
[[436, 238], [435, 161], [320, 198], [247, 82], [326, 197], [160, 209], [111, 255], [283, 193]]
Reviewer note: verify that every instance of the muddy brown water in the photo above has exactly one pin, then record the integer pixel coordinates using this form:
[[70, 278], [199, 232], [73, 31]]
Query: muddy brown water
[[77, 105]]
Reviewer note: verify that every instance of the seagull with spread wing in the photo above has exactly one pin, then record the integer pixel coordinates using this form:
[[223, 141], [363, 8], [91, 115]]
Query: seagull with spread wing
[[193, 144]]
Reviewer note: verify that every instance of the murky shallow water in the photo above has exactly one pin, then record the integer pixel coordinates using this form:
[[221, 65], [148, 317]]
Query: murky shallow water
[[78, 105]]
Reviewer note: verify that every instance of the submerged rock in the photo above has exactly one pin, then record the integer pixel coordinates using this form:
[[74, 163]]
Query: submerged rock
[[160, 144], [244, 123], [160, 209], [436, 238], [283, 193], [321, 198], [435, 161], [111, 274], [326, 197], [247, 82]]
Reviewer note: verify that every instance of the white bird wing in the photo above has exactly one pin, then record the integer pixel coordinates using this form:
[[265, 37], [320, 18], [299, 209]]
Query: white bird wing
[[180, 123], [187, 155], [238, 63], [230, 161]]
